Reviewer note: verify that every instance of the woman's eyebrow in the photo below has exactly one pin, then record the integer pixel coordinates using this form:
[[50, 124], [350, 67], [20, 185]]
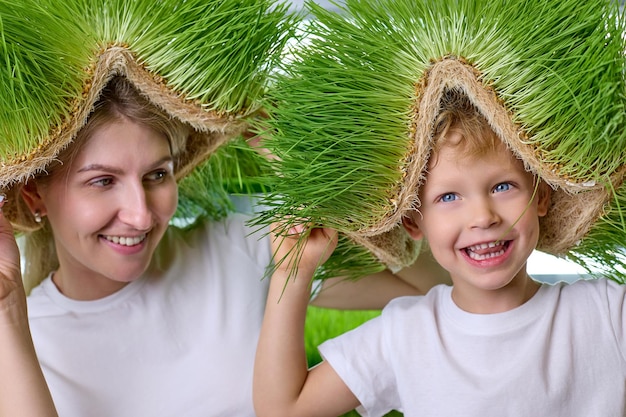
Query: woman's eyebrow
[[115, 170]]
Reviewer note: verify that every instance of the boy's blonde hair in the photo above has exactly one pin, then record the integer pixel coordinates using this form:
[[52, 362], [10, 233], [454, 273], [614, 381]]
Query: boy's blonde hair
[[458, 114]]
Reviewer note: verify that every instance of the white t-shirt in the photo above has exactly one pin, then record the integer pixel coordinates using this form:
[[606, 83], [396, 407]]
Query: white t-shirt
[[559, 354], [180, 341]]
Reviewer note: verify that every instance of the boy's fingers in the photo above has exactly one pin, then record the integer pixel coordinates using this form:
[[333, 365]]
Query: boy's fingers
[[298, 229], [331, 234], [295, 230]]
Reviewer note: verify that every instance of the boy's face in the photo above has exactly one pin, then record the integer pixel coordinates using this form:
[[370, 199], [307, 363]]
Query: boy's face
[[480, 219]]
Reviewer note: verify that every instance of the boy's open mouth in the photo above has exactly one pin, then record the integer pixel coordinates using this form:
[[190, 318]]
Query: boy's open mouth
[[487, 250]]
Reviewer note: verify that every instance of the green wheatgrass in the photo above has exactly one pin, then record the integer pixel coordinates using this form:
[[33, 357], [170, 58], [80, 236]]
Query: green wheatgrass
[[234, 169], [602, 252]]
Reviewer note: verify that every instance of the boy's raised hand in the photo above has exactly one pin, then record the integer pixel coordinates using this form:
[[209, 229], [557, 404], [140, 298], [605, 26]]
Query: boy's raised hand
[[280, 367], [301, 249]]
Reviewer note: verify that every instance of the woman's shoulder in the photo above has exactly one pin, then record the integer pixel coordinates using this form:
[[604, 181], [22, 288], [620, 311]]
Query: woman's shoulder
[[234, 230], [40, 304], [235, 224], [231, 235]]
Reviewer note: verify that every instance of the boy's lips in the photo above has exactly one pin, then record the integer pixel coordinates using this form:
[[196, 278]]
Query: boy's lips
[[488, 250]]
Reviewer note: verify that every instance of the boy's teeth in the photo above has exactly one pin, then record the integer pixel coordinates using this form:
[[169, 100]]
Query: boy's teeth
[[484, 251], [482, 257], [474, 250], [483, 246], [126, 241]]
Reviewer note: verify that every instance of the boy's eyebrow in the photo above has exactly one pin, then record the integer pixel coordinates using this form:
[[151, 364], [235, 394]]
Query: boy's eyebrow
[[114, 170]]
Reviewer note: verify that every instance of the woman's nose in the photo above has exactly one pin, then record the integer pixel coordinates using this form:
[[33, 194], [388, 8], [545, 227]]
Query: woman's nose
[[135, 208]]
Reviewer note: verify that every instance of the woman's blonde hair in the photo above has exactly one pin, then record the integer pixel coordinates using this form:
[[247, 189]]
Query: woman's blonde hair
[[118, 100]]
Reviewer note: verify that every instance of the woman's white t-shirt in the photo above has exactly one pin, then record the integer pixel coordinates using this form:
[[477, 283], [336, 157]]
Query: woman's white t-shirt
[[179, 341]]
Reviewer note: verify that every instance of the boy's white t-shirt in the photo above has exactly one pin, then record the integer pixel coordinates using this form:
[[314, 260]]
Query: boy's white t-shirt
[[180, 341], [559, 354]]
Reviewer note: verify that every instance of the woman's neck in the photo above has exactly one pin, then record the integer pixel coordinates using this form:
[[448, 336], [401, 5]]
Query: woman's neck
[[85, 289]]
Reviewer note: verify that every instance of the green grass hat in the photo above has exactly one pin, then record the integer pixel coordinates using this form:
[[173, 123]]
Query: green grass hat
[[205, 62], [353, 114]]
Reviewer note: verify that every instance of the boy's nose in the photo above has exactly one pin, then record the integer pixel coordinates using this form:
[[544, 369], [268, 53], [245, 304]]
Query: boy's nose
[[483, 215]]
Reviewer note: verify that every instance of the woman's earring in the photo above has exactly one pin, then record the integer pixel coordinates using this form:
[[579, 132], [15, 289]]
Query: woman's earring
[[37, 216]]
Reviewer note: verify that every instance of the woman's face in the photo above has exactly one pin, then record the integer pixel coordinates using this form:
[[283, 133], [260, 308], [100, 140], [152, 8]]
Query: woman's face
[[110, 208]]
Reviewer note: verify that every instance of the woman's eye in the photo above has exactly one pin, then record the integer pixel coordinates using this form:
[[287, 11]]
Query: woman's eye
[[447, 197], [505, 186], [101, 182], [157, 175]]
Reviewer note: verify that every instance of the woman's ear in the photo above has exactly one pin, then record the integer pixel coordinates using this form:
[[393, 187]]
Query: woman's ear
[[411, 226], [30, 194], [544, 198]]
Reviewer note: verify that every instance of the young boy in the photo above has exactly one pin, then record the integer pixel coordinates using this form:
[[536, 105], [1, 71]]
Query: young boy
[[496, 343]]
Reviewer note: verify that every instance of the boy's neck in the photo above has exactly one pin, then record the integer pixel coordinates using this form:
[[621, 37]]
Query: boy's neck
[[495, 301]]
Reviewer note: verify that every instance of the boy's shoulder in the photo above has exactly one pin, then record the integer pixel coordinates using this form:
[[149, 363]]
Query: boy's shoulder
[[598, 290], [589, 286]]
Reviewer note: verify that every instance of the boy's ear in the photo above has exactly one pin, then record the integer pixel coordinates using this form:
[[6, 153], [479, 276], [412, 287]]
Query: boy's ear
[[411, 226], [544, 198], [31, 197]]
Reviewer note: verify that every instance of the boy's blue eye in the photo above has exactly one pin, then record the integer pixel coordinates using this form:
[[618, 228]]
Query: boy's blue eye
[[505, 186], [448, 197]]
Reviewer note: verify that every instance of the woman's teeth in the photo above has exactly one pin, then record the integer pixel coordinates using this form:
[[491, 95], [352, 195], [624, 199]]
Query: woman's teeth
[[126, 241]]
